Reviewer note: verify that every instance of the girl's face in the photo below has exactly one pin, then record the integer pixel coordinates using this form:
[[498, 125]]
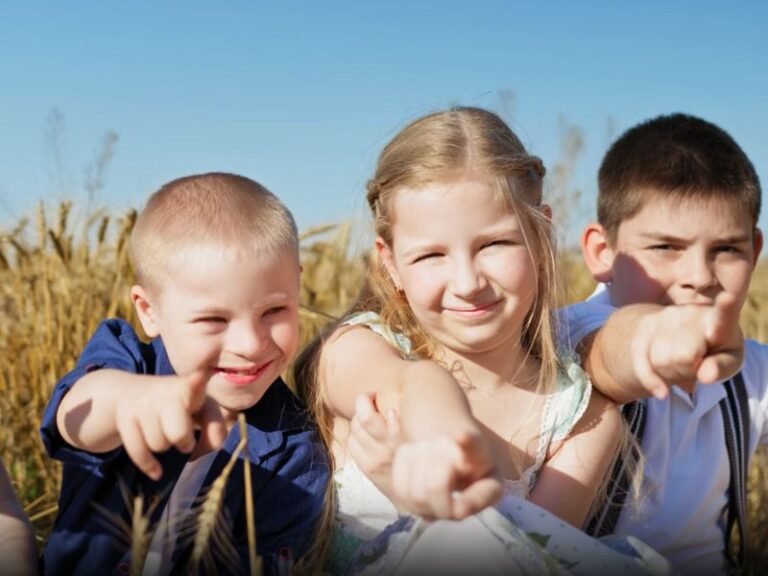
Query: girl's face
[[459, 254]]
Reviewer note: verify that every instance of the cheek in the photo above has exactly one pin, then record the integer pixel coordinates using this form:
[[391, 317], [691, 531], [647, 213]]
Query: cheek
[[516, 274], [737, 278], [189, 352], [637, 282], [424, 286], [285, 335]]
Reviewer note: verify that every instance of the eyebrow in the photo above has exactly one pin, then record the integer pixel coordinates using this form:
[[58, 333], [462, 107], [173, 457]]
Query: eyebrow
[[666, 237], [421, 249]]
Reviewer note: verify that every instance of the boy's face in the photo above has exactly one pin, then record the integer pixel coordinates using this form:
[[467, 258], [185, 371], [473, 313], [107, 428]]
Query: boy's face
[[677, 251], [232, 314]]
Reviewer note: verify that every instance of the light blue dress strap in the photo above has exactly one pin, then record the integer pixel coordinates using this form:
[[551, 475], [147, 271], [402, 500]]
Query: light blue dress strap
[[373, 321], [571, 398]]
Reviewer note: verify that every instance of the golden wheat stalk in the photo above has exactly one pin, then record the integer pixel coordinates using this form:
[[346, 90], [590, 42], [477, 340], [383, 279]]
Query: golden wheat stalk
[[254, 561], [141, 536], [210, 509]]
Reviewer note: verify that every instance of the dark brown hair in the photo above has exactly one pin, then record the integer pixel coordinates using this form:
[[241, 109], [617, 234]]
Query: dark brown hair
[[675, 155]]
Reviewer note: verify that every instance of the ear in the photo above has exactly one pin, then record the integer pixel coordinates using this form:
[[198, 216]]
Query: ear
[[146, 312], [757, 245], [546, 210], [597, 252], [388, 259]]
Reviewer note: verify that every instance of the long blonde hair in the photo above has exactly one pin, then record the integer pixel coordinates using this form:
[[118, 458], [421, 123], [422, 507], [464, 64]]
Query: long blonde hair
[[434, 148]]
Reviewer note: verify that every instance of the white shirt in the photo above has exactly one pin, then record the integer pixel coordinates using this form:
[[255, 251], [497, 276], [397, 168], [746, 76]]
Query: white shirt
[[687, 471]]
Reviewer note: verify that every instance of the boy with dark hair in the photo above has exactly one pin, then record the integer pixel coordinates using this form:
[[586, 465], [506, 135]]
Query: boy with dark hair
[[675, 246], [217, 266]]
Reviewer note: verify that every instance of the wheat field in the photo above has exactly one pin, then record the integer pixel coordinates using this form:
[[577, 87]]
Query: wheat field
[[61, 275]]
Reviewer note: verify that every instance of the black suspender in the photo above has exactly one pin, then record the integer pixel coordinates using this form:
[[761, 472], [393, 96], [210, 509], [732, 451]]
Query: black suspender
[[735, 411], [604, 521]]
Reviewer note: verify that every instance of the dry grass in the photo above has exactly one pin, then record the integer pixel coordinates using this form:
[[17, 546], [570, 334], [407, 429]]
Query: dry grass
[[57, 283]]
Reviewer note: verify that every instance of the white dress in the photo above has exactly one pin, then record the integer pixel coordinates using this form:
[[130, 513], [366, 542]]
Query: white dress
[[512, 537]]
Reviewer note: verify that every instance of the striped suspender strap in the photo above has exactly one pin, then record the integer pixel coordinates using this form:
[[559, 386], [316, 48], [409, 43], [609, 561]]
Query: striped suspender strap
[[735, 411], [604, 521]]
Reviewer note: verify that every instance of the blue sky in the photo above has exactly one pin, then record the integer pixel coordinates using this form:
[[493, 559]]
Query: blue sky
[[302, 95]]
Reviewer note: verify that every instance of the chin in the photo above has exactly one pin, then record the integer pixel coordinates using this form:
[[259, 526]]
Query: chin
[[241, 402]]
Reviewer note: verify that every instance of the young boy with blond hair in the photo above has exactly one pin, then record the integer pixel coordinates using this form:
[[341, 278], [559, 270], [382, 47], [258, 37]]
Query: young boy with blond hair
[[675, 246], [217, 287]]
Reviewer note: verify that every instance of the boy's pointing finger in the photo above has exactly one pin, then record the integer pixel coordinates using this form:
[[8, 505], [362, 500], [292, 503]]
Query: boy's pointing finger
[[722, 320], [193, 389]]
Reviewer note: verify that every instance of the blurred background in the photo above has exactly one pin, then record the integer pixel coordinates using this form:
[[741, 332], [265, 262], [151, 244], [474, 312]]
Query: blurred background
[[101, 103]]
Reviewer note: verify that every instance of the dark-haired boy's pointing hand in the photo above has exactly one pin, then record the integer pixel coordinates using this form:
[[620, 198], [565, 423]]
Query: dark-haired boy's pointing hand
[[644, 348]]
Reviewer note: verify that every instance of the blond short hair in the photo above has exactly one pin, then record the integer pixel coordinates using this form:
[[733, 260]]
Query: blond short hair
[[219, 209]]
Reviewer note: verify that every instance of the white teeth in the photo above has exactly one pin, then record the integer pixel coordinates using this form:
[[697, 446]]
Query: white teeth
[[239, 372]]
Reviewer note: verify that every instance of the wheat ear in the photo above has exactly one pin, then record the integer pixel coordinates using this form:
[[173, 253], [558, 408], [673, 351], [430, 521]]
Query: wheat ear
[[209, 510]]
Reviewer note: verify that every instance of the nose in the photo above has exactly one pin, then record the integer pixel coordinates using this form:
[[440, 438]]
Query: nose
[[247, 339], [697, 271], [467, 279]]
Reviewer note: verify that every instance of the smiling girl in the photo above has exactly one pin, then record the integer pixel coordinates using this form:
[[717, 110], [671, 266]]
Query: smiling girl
[[454, 334]]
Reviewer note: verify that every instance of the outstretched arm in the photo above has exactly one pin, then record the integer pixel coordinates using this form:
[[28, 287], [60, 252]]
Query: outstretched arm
[[108, 408], [642, 349], [444, 450]]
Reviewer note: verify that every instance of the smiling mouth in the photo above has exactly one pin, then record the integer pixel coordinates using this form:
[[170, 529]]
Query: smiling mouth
[[242, 371], [475, 310], [243, 376]]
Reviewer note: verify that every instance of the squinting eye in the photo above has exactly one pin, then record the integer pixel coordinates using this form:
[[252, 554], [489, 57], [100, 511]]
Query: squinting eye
[[429, 256], [210, 320], [661, 247], [498, 243], [275, 310], [727, 249]]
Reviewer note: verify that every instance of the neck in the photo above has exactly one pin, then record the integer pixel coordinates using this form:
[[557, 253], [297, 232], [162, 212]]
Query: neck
[[486, 372]]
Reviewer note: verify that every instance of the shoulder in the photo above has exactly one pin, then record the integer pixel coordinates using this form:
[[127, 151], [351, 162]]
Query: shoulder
[[373, 322], [755, 374], [755, 369], [359, 356], [116, 344], [359, 342], [579, 320], [114, 329], [755, 356]]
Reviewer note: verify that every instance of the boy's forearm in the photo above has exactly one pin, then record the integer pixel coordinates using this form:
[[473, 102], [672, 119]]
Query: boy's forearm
[[86, 417], [608, 354]]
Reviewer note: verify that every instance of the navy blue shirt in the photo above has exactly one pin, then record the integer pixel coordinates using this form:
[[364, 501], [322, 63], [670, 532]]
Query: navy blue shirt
[[289, 473]]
